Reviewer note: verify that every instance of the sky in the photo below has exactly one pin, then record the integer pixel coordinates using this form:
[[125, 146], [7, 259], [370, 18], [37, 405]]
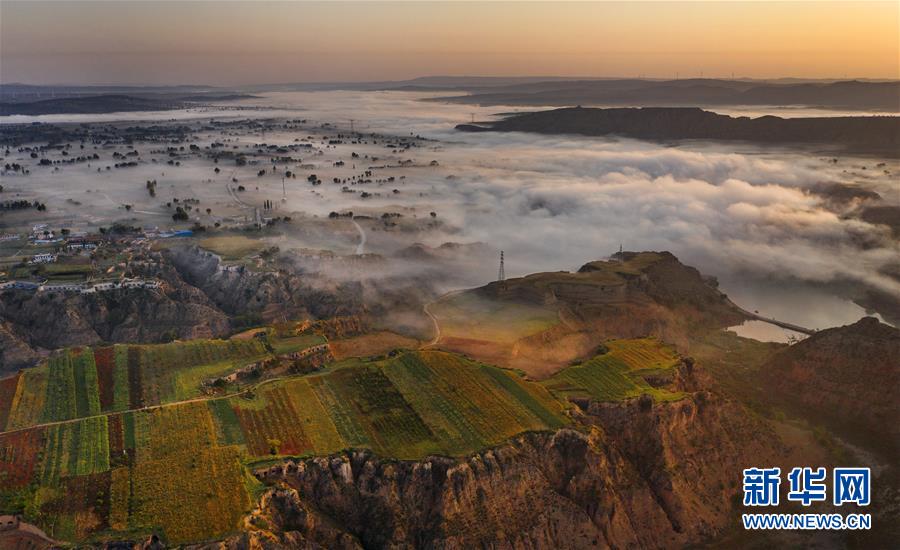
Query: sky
[[256, 42]]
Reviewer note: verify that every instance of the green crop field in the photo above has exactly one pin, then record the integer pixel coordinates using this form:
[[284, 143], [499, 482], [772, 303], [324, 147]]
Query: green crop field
[[28, 402], [60, 389], [121, 396], [470, 406], [72, 389], [410, 406], [83, 382], [232, 247], [75, 449], [620, 373], [228, 425], [173, 372], [391, 425], [296, 343]]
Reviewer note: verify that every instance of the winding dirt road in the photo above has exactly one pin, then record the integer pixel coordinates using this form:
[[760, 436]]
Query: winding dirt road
[[434, 321], [361, 247]]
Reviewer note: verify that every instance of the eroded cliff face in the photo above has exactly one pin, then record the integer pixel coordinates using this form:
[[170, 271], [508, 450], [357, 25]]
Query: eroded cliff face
[[270, 294], [637, 473], [15, 352], [33, 321]]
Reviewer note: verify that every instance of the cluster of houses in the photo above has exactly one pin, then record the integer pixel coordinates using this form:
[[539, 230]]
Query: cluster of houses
[[82, 288], [47, 258], [86, 242]]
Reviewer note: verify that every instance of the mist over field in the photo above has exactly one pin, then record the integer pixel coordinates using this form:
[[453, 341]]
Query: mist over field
[[749, 215]]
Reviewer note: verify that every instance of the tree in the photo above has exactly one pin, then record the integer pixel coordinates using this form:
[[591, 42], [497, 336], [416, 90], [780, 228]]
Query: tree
[[274, 444]]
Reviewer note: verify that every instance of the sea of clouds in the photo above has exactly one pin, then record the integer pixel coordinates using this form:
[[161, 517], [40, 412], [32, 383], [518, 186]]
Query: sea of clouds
[[747, 215]]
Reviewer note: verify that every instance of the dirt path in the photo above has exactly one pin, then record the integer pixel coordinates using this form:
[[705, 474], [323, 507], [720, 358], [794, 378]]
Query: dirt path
[[361, 247], [434, 321], [437, 326]]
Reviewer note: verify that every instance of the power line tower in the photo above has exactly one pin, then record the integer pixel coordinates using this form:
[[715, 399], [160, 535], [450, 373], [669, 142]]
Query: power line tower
[[501, 275], [351, 125]]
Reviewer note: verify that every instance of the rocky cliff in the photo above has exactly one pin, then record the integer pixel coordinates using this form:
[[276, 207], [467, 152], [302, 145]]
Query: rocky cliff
[[272, 295], [34, 321], [638, 473]]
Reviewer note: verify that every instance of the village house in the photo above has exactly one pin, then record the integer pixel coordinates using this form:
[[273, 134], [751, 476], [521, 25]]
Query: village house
[[140, 283], [19, 285], [61, 287], [107, 285], [89, 242], [43, 258]]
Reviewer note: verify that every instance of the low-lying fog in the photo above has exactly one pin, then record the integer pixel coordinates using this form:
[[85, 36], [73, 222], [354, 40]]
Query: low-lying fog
[[740, 213]]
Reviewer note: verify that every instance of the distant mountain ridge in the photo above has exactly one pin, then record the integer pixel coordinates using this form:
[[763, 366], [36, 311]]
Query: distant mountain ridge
[[111, 103], [850, 95], [89, 104], [860, 134]]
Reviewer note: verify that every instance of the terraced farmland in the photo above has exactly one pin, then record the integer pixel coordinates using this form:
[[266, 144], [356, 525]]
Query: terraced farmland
[[181, 469], [624, 371], [18, 457], [75, 449], [182, 480], [296, 343], [391, 425], [173, 372], [84, 382], [470, 406], [72, 389], [313, 417], [273, 428], [8, 388], [28, 402]]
